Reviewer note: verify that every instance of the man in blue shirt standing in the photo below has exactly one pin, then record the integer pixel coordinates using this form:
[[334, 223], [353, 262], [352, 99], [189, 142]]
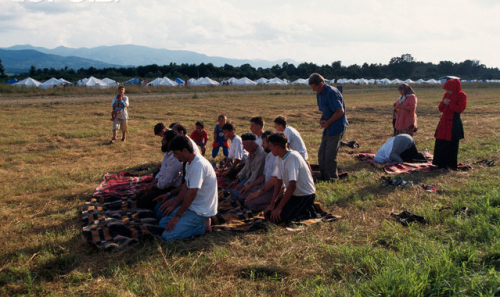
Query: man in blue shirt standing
[[333, 121]]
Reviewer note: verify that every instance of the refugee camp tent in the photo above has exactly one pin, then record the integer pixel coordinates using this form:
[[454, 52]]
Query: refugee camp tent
[[191, 82], [276, 81], [110, 82], [168, 82], [244, 82], [65, 82], [12, 81], [53, 82], [301, 81], [179, 81], [206, 81], [262, 81], [432, 82], [409, 81], [133, 81], [27, 82], [93, 82], [443, 79]]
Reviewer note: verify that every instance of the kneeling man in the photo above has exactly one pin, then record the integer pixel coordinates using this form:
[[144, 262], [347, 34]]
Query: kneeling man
[[400, 148], [197, 201], [294, 174]]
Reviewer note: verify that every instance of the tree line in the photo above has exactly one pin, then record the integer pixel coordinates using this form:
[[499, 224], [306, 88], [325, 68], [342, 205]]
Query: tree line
[[402, 67]]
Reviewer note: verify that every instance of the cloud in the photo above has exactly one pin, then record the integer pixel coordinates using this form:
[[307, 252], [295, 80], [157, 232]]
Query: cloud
[[316, 31]]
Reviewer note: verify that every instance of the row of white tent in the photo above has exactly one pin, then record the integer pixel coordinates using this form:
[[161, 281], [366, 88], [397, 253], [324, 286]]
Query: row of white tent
[[93, 82]]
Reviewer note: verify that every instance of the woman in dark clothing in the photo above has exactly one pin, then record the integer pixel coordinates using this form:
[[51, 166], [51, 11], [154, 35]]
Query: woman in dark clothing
[[450, 129]]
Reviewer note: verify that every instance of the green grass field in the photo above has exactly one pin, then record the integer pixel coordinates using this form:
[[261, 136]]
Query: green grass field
[[54, 150]]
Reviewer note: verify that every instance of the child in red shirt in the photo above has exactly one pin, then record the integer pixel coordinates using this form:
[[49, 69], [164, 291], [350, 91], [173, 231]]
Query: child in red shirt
[[200, 136]]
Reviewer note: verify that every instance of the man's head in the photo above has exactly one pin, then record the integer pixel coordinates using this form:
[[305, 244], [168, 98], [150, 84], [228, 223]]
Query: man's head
[[256, 125], [222, 119], [182, 148], [121, 90], [229, 130], [280, 123], [277, 143], [167, 137], [159, 129], [249, 142], [180, 129], [317, 82], [265, 142]]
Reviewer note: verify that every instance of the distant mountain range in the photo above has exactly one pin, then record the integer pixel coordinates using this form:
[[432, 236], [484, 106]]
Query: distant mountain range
[[20, 58]]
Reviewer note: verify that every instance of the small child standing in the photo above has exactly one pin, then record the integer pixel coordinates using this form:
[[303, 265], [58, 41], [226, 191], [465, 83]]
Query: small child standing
[[219, 139], [200, 136], [117, 107]]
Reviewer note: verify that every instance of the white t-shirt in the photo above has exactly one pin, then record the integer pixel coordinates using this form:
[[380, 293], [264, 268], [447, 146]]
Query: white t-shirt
[[170, 174], [293, 167], [270, 166], [123, 114], [259, 140], [201, 175], [196, 149], [384, 152], [295, 142], [236, 150]]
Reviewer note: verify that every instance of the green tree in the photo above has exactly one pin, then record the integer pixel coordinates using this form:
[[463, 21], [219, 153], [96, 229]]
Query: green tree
[[2, 70]]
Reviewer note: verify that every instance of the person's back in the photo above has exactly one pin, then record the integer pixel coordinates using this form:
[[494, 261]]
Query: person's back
[[295, 141]]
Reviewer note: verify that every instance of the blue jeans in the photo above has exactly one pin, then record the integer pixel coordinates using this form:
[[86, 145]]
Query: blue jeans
[[189, 224]]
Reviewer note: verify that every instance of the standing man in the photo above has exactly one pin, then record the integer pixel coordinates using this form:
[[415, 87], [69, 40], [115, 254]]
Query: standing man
[[121, 120], [333, 121], [197, 201]]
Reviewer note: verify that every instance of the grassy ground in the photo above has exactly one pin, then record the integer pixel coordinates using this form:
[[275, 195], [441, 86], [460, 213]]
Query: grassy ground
[[54, 150]]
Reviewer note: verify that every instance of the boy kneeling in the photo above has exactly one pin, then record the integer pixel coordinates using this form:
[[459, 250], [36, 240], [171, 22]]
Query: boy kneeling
[[294, 173]]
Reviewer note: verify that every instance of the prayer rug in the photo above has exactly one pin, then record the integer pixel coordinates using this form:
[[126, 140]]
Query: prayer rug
[[111, 218]]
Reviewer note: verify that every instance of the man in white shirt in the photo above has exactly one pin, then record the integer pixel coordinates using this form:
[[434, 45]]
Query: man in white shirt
[[168, 178], [183, 131], [295, 141], [258, 194], [294, 174], [400, 148], [237, 154], [197, 201], [257, 128]]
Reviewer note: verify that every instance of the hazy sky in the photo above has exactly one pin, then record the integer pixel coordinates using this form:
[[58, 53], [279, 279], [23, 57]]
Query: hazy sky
[[321, 32]]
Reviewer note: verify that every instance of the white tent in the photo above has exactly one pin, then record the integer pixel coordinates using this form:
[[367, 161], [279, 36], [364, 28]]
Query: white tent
[[276, 81], [165, 81], [53, 82], [432, 82], [397, 81], [244, 82], [109, 82], [301, 81], [65, 81], [93, 82], [205, 81], [262, 81], [420, 81], [168, 82], [27, 82], [409, 81]]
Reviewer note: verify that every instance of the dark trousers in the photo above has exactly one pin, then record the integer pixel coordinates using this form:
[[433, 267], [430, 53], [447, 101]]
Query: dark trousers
[[296, 209], [327, 155], [446, 153]]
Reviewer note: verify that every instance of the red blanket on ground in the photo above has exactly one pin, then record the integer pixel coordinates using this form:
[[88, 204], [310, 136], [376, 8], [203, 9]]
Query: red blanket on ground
[[397, 168], [111, 218]]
